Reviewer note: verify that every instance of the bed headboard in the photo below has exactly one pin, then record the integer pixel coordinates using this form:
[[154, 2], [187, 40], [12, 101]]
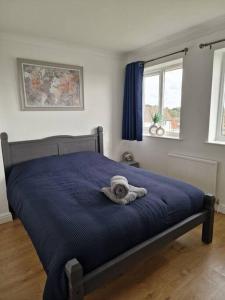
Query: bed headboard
[[17, 152]]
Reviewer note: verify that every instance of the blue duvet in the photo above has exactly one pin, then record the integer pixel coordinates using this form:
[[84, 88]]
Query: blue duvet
[[59, 201]]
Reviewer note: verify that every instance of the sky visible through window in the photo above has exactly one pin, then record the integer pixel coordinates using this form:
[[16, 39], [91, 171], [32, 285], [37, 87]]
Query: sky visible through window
[[152, 90], [172, 92]]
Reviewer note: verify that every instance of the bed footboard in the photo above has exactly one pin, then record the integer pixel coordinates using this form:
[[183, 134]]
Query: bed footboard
[[74, 273], [80, 285]]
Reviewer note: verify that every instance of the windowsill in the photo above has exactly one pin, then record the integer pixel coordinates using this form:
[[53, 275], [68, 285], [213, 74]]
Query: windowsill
[[163, 137], [221, 143]]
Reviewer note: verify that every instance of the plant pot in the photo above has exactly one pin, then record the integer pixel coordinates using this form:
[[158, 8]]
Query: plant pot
[[153, 128], [160, 131]]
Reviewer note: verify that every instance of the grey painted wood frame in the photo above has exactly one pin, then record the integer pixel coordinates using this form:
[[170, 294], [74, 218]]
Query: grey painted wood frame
[[17, 152], [80, 285]]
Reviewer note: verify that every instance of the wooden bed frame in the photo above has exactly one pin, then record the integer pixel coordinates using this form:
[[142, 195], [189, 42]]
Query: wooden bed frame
[[80, 284]]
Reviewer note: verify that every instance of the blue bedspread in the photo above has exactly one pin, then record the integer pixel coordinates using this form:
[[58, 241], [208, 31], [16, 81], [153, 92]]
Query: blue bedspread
[[59, 201]]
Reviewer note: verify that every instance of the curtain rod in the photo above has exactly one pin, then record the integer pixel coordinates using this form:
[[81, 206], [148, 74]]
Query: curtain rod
[[185, 50], [211, 43]]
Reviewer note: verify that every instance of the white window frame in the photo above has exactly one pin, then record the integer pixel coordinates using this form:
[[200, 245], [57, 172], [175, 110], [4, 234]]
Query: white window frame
[[161, 72], [219, 136]]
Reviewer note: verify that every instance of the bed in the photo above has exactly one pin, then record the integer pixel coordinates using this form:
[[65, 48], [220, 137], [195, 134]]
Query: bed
[[82, 238]]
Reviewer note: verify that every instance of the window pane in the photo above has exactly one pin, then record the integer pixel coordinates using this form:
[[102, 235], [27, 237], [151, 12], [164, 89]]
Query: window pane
[[223, 112], [151, 99], [172, 101], [220, 130]]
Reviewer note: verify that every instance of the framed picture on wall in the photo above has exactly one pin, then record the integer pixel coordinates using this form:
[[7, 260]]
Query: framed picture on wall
[[50, 86]]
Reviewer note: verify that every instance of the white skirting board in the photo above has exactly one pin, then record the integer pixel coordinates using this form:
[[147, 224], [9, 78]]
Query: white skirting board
[[5, 217], [197, 171]]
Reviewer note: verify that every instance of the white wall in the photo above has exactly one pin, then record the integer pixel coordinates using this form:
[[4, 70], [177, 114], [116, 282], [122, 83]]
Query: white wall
[[102, 96], [198, 64]]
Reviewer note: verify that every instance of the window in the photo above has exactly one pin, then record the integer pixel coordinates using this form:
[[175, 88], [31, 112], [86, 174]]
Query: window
[[162, 94], [217, 111], [220, 132]]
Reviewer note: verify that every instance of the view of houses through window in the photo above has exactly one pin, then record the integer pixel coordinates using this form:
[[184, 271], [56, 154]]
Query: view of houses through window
[[162, 94]]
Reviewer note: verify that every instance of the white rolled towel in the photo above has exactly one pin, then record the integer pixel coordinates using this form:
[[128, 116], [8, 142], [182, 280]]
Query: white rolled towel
[[130, 197], [139, 191], [121, 192], [119, 186]]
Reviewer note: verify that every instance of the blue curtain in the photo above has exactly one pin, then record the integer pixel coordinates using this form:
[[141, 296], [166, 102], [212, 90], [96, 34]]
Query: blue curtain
[[132, 102]]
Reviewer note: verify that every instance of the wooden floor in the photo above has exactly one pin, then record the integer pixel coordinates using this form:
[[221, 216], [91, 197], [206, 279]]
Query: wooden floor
[[185, 270]]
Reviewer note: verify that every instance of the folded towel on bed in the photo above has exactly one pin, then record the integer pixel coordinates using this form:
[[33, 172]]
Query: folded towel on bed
[[121, 192], [119, 186], [131, 196], [140, 192]]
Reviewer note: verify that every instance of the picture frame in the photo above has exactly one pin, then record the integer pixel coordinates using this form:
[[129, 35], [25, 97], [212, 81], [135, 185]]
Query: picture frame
[[50, 86]]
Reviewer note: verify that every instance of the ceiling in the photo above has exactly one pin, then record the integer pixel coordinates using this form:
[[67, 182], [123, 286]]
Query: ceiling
[[116, 25]]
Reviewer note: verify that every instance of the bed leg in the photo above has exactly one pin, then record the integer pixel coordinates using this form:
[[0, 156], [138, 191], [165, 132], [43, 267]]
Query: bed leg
[[74, 273], [207, 228]]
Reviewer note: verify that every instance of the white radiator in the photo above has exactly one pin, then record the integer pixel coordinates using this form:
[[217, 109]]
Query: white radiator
[[197, 171]]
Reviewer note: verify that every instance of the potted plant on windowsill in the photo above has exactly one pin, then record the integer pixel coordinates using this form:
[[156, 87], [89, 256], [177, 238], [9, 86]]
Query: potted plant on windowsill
[[156, 129]]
